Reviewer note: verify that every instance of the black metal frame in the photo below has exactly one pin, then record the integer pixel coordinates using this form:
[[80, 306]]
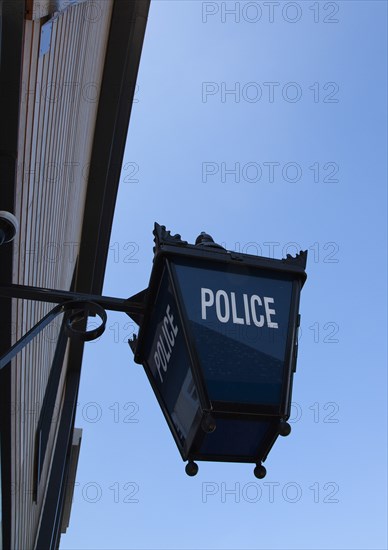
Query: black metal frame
[[169, 248]]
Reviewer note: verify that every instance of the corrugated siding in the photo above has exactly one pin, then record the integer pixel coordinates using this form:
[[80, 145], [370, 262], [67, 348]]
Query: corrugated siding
[[58, 111]]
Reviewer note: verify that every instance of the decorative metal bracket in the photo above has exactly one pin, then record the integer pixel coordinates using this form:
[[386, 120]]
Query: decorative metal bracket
[[78, 306], [163, 236], [300, 259]]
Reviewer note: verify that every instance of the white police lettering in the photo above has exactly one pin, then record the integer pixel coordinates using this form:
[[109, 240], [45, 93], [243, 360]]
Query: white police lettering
[[241, 311], [166, 342]]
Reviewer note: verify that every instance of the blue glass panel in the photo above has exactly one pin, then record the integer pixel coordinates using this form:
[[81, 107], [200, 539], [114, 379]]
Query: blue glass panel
[[168, 361], [234, 437], [239, 320]]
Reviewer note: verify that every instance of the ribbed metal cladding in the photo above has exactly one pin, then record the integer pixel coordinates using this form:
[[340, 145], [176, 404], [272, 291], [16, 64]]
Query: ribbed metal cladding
[[58, 112]]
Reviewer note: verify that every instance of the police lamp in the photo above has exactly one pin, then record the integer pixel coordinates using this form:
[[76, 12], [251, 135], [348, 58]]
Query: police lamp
[[218, 341]]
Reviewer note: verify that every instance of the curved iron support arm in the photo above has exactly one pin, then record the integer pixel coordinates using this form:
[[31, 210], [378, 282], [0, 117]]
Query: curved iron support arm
[[82, 305], [79, 308]]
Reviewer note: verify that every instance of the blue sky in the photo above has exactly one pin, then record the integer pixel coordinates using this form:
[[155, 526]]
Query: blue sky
[[294, 157]]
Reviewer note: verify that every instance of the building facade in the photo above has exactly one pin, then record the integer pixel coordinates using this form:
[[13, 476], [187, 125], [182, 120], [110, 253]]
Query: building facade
[[68, 75]]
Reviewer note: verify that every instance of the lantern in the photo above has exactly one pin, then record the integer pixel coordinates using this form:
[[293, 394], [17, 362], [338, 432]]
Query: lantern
[[219, 342]]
